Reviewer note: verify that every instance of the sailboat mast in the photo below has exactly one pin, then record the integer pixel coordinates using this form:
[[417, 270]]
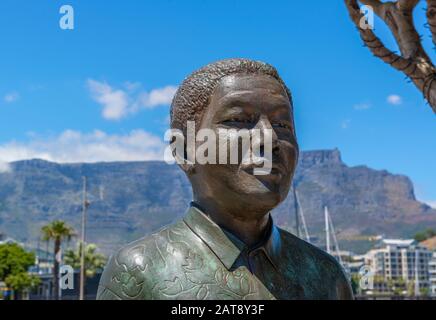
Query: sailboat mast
[[297, 219], [335, 240], [303, 219], [327, 229]]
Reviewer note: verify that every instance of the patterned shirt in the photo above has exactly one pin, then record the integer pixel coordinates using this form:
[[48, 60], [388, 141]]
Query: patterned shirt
[[195, 259]]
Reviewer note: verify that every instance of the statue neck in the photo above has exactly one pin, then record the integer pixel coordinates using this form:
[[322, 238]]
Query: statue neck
[[249, 228]]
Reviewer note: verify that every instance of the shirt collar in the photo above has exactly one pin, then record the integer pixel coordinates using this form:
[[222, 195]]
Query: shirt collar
[[226, 246]]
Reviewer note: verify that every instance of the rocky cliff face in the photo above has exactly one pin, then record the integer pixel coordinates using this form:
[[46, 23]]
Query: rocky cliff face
[[134, 198], [361, 201]]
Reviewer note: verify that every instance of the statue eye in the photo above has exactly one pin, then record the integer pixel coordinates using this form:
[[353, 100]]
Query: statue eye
[[238, 120], [281, 125]]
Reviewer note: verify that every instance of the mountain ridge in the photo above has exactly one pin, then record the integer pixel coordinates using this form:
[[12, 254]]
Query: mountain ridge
[[131, 199]]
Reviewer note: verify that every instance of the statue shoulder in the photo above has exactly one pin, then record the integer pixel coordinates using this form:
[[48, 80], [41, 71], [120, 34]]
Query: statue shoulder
[[325, 265], [130, 272]]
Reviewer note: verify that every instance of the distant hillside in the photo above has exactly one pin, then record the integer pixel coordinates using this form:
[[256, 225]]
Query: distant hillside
[[130, 199]]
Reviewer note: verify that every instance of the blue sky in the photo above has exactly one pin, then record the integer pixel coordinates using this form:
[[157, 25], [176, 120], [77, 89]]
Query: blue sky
[[102, 89]]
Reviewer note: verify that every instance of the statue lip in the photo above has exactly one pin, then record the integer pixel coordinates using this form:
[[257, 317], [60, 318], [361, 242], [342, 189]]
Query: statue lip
[[276, 169]]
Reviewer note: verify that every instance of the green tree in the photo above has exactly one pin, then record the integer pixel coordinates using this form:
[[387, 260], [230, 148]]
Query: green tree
[[14, 259], [410, 286], [14, 263], [424, 235], [396, 287], [425, 292], [57, 231], [355, 284], [94, 261], [21, 282]]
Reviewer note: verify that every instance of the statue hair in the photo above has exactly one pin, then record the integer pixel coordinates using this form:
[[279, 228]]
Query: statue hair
[[193, 95]]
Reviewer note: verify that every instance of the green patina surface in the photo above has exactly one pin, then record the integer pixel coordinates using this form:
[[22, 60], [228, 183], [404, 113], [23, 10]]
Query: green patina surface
[[195, 259]]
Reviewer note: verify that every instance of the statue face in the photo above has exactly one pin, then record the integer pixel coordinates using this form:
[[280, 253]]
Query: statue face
[[249, 102]]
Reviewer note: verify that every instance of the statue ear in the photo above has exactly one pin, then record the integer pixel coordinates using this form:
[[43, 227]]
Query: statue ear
[[183, 162], [189, 169]]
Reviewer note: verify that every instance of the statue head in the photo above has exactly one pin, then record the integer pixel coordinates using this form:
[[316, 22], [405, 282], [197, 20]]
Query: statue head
[[239, 94]]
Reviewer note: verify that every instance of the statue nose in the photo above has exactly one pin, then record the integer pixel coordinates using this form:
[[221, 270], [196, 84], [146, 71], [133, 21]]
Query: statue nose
[[264, 124]]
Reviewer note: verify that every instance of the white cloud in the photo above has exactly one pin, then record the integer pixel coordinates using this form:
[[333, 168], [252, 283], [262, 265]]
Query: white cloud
[[345, 124], [11, 97], [115, 102], [119, 103], [4, 167], [362, 106], [158, 97], [395, 100], [73, 146], [431, 203]]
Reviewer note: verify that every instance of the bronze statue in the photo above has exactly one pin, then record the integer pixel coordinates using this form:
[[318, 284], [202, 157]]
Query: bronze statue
[[227, 245]]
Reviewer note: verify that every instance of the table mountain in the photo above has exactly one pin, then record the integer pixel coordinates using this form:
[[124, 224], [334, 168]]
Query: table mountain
[[130, 199]]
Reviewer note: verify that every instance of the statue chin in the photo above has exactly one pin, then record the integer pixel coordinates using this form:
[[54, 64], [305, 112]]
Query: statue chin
[[238, 189]]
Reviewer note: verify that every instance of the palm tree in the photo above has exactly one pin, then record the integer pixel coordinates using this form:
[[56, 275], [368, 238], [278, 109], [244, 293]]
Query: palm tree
[[94, 261], [57, 231]]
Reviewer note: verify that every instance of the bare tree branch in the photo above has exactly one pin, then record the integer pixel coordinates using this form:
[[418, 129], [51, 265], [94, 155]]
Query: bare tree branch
[[374, 43], [407, 4], [413, 61], [399, 19], [374, 4], [431, 18]]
